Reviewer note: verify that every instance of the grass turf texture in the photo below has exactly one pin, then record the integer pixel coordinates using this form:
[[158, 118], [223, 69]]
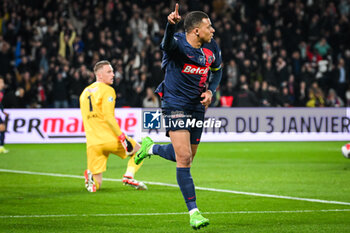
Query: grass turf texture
[[300, 169]]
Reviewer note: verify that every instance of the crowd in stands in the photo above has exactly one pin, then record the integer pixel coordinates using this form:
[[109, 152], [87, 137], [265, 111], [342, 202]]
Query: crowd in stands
[[275, 53]]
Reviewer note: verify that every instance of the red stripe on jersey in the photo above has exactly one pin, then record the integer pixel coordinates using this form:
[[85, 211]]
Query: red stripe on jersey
[[209, 59]]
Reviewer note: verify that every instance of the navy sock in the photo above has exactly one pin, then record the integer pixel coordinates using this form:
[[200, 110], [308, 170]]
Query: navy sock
[[185, 181], [165, 151], [2, 138]]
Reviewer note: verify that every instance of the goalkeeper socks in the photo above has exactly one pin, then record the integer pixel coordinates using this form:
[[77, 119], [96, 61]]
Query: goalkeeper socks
[[132, 167], [165, 151], [185, 181]]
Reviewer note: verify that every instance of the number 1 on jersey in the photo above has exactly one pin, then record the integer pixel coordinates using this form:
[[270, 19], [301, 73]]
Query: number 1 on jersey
[[90, 104]]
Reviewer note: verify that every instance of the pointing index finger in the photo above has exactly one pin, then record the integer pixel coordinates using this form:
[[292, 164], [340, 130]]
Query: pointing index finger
[[176, 10]]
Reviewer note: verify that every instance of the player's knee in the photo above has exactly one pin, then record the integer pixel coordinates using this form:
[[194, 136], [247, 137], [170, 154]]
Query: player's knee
[[2, 127], [184, 159]]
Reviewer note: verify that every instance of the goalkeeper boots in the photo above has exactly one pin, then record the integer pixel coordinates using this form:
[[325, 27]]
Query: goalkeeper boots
[[197, 220], [128, 180], [142, 153], [89, 181]]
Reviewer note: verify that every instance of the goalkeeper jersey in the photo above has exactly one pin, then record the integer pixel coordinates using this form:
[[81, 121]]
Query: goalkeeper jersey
[[97, 103]]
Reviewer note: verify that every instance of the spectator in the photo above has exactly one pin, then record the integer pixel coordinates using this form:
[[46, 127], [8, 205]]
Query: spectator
[[66, 42], [315, 96], [138, 27], [76, 87], [333, 99], [347, 97], [341, 78], [291, 86], [41, 90], [307, 74], [322, 47], [153, 29], [43, 62], [246, 98], [60, 92], [335, 41], [5, 58], [269, 74], [257, 89], [296, 64], [232, 73], [282, 73], [29, 89], [150, 100], [302, 95], [286, 98], [227, 95], [265, 95], [20, 101]]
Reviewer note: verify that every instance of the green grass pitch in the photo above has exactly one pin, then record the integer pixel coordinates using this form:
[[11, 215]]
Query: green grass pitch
[[307, 170]]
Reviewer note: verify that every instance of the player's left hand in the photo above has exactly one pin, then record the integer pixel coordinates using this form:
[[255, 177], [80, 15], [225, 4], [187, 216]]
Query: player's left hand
[[126, 144], [174, 16], [207, 96]]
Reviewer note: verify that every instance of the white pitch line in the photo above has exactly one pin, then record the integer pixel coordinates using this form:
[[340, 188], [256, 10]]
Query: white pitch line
[[179, 213], [197, 188]]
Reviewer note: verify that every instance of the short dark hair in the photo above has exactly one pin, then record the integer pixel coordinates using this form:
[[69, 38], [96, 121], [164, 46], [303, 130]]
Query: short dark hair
[[100, 64], [194, 19]]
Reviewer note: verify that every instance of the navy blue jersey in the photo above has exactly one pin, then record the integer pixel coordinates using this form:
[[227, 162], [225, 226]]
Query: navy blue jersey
[[186, 72]]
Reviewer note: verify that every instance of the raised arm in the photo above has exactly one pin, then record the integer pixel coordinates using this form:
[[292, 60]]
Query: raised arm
[[168, 42]]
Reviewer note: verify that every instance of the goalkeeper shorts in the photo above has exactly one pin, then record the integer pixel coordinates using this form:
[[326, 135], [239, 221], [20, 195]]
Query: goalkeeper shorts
[[97, 155]]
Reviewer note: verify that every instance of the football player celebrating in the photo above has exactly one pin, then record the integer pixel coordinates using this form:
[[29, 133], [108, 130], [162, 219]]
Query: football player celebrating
[[188, 58], [103, 134]]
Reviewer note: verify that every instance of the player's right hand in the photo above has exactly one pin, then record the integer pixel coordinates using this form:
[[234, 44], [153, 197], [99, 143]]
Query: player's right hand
[[174, 17], [126, 143], [207, 97]]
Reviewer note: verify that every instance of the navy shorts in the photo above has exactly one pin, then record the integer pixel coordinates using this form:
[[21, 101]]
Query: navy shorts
[[184, 120]]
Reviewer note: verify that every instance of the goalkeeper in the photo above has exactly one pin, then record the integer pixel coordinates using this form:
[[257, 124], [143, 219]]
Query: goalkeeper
[[103, 134]]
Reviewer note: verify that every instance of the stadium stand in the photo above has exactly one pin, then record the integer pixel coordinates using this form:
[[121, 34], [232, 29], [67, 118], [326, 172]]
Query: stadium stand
[[275, 53]]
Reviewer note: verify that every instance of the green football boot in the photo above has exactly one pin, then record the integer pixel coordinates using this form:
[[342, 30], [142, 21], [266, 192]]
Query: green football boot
[[197, 220], [142, 153]]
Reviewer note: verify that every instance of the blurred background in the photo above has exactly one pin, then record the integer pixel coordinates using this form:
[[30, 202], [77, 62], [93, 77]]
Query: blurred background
[[275, 53]]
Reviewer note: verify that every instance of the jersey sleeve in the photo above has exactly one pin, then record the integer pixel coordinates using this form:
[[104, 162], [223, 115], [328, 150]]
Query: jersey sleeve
[[217, 53], [169, 42], [108, 105], [215, 68]]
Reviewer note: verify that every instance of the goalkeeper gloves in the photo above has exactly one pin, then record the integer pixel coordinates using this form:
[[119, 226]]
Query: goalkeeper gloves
[[126, 143]]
